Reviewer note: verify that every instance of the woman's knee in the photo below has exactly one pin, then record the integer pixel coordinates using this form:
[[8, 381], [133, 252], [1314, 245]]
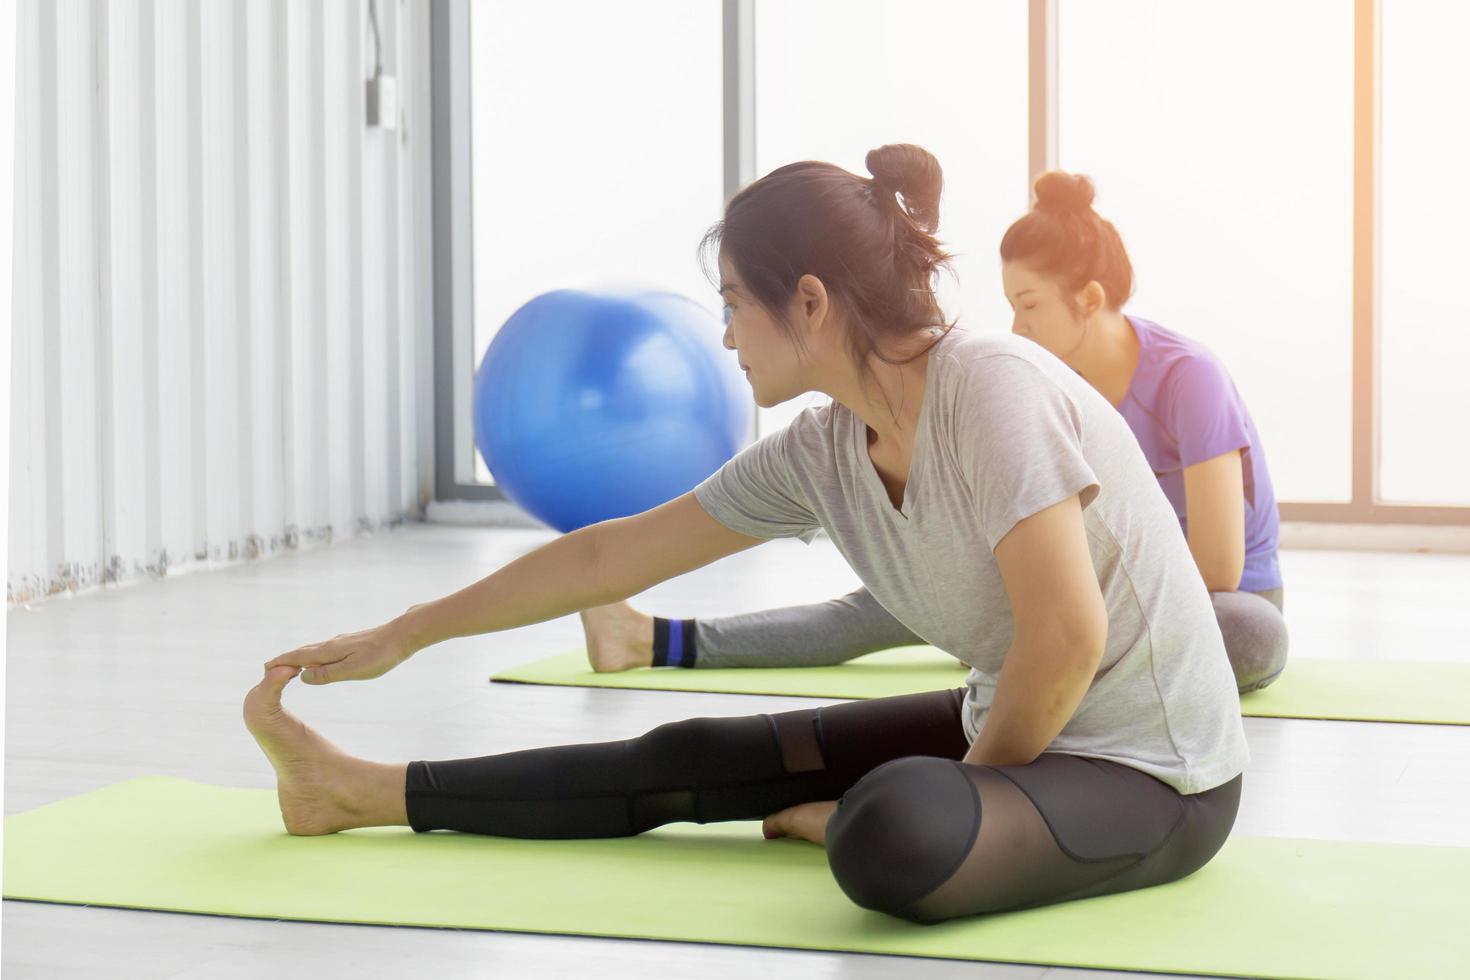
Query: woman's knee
[[699, 769], [1263, 662], [689, 751], [1255, 638], [901, 831]]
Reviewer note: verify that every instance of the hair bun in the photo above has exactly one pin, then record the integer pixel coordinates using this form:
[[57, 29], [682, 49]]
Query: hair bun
[[1057, 190], [914, 173]]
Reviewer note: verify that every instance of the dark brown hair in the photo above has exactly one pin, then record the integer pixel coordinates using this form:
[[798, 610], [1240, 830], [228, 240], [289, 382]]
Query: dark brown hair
[[875, 254], [1063, 238]]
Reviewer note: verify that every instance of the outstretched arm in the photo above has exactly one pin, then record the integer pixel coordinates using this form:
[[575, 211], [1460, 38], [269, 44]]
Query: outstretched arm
[[593, 566], [589, 567]]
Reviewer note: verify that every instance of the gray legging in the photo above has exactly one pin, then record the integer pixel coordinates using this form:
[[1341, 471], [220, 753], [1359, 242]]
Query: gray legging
[[838, 630]]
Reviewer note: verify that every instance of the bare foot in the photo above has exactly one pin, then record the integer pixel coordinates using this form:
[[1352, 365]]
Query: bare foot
[[805, 821], [321, 788], [619, 637]]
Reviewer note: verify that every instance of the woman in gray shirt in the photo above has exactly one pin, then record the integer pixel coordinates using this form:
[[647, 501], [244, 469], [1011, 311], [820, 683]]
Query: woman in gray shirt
[[987, 497], [1067, 275]]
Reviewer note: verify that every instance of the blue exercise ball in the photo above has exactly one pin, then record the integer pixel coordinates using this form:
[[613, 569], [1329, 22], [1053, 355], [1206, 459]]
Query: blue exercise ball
[[596, 405]]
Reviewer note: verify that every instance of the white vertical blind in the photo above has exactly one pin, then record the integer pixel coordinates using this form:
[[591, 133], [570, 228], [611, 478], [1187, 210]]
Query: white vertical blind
[[221, 322]]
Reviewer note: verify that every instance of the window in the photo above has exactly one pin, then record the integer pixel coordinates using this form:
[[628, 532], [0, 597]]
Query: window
[[836, 78], [597, 143], [1425, 254], [1288, 196], [1220, 139]]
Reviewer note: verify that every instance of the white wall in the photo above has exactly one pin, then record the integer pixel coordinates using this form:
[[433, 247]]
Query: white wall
[[222, 337]]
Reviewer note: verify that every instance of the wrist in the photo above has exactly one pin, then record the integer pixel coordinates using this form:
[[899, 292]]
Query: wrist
[[412, 629], [986, 750]]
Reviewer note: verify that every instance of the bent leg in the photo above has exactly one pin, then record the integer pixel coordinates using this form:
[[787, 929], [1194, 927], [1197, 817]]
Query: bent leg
[[1255, 636], [816, 635], [932, 839], [700, 769]]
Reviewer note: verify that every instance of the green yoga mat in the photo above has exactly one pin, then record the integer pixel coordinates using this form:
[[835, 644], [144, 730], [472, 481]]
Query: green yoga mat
[[1336, 690], [1271, 907]]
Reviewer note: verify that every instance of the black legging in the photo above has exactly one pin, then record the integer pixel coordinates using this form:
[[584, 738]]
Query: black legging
[[917, 833]]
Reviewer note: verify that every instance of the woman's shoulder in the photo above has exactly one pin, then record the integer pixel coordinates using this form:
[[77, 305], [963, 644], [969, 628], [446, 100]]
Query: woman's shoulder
[[963, 345], [996, 368], [1172, 366], [968, 353], [1166, 350], [814, 432]]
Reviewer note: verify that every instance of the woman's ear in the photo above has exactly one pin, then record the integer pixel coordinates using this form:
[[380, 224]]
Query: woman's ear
[[1094, 297], [813, 300]]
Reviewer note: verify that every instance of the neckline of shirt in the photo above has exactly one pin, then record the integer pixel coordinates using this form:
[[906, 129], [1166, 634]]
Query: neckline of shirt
[[904, 513]]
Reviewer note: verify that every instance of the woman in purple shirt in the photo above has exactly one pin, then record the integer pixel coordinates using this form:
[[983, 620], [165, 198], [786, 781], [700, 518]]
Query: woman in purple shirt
[[1066, 275]]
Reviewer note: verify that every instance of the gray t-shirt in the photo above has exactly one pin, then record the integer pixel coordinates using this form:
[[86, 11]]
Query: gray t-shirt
[[1007, 430]]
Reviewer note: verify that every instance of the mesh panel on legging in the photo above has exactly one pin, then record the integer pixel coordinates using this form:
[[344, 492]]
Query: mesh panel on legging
[[1000, 838]]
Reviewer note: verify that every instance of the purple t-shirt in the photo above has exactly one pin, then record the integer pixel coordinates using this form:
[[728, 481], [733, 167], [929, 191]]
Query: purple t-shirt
[[1184, 409]]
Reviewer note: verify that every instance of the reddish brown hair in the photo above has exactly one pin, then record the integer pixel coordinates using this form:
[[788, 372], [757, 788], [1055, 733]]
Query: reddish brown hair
[[1063, 238], [870, 241]]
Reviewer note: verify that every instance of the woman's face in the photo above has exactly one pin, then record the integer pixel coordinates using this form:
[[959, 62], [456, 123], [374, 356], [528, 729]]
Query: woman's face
[[1042, 313], [767, 354]]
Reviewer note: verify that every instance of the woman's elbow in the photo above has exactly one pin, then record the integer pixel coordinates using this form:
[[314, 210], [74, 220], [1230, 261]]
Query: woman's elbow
[[1220, 567], [1079, 648], [1089, 634], [1222, 576]]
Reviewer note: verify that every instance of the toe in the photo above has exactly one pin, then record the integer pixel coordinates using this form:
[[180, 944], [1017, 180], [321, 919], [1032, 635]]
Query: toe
[[276, 679], [771, 827], [265, 697]]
